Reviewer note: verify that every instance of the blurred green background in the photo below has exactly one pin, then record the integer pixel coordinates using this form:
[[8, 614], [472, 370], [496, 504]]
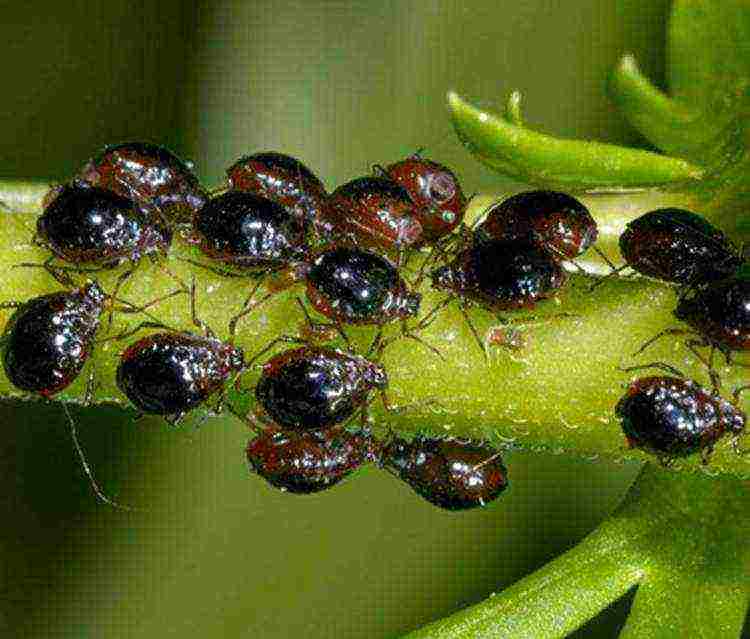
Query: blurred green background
[[342, 85]]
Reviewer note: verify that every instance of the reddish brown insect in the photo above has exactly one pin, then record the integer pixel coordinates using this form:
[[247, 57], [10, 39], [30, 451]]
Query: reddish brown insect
[[373, 212], [305, 463], [557, 222], [678, 246], [450, 473], [718, 313], [436, 192]]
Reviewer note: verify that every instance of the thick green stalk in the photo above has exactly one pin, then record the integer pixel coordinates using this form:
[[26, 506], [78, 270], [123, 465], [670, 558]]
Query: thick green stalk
[[681, 539], [557, 393]]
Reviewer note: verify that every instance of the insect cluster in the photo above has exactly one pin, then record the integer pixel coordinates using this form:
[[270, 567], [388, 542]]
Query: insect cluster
[[274, 223], [672, 416]]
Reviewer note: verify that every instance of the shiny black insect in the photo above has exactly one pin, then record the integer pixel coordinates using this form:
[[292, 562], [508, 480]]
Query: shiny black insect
[[349, 286], [250, 232], [307, 463], [284, 180], [675, 417], [498, 275], [436, 192], [450, 473], [678, 246], [48, 339], [311, 388], [718, 313], [554, 221], [353, 286], [94, 226], [170, 373], [158, 177], [46, 344], [501, 275]]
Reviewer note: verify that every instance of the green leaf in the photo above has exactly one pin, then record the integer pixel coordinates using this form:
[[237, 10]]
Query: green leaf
[[524, 154], [681, 539], [673, 126], [558, 393]]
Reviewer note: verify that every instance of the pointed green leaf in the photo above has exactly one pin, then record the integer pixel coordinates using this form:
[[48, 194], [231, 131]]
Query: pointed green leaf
[[573, 164], [669, 124]]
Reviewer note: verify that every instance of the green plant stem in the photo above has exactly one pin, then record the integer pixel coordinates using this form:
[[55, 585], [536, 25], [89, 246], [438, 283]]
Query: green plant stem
[[677, 605], [557, 393], [681, 538]]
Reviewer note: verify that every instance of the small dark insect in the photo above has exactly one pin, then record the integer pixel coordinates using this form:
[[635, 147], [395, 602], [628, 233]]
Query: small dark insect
[[720, 312], [555, 221], [284, 180], [153, 172], [46, 344], [353, 286], [675, 417], [450, 473], [94, 226], [349, 286], [247, 231], [49, 338], [171, 373], [436, 192], [501, 275], [373, 212], [311, 388], [498, 275], [678, 246], [307, 463]]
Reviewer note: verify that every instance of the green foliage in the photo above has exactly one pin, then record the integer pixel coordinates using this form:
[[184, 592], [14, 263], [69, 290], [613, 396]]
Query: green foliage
[[680, 539]]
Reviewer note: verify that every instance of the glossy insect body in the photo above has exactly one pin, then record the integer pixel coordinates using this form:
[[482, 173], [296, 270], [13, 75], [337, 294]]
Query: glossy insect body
[[308, 462], [311, 388], [436, 192], [171, 373], [449, 473], [501, 275], [248, 231], [49, 338], [674, 417], [92, 225], [354, 286], [283, 179], [373, 212], [678, 246], [554, 221], [720, 311], [149, 172]]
